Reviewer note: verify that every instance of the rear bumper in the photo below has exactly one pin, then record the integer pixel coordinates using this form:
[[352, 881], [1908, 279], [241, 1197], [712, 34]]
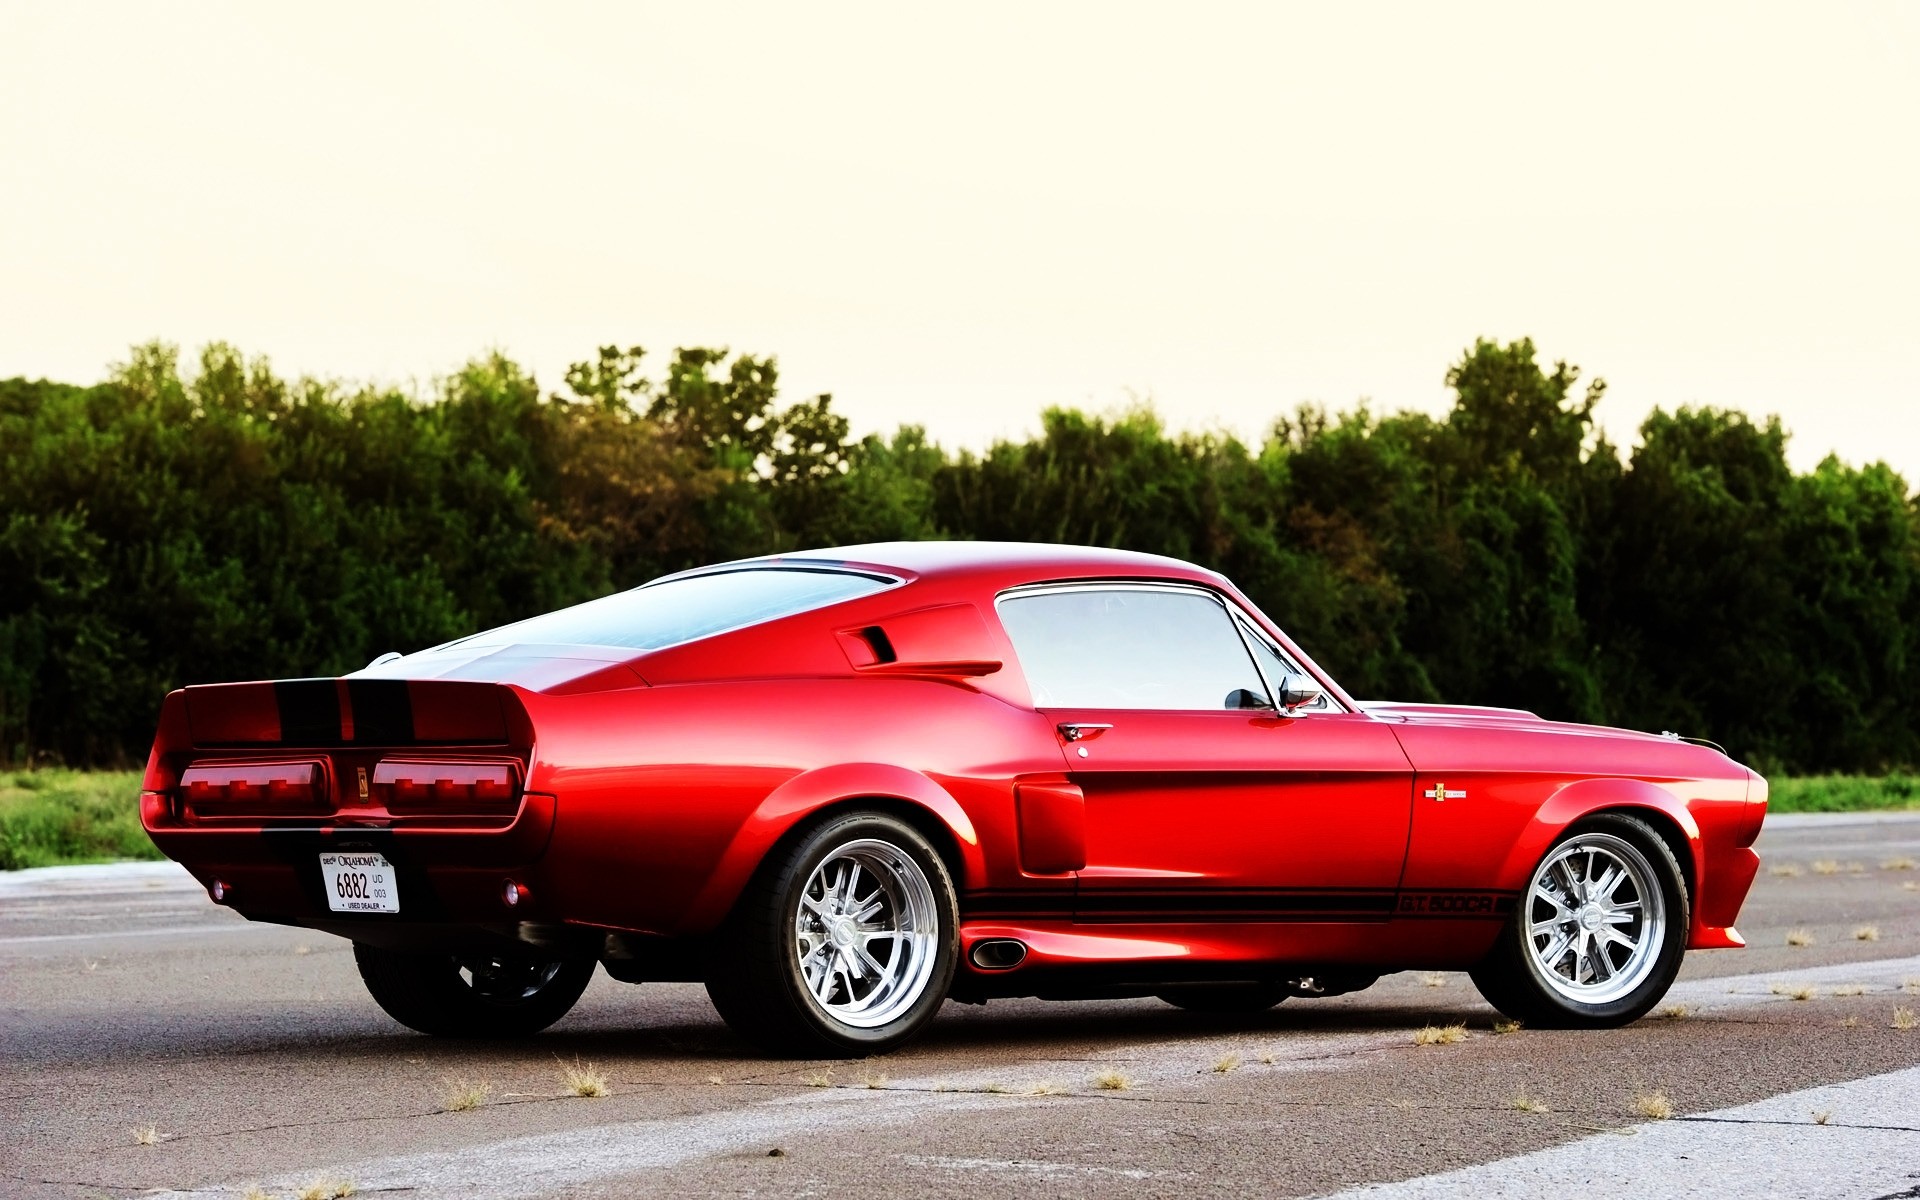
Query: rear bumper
[[448, 879]]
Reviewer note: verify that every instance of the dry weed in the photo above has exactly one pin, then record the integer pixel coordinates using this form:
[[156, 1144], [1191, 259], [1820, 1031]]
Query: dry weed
[[465, 1095], [1441, 1035], [1654, 1105], [584, 1080]]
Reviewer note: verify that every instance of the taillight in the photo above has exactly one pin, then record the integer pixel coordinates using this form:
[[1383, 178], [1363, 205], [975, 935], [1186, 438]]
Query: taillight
[[446, 786], [260, 786]]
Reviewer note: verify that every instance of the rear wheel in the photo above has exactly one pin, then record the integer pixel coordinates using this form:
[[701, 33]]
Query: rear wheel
[[1598, 936], [845, 943], [1226, 998], [471, 996]]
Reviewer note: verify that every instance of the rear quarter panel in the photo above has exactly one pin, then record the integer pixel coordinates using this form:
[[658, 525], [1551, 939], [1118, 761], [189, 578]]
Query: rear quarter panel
[[669, 797]]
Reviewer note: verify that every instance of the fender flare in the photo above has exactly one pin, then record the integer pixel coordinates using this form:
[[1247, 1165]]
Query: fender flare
[[811, 791], [1588, 796]]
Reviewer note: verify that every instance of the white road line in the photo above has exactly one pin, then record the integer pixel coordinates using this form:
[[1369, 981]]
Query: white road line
[[1869, 1147], [552, 1162]]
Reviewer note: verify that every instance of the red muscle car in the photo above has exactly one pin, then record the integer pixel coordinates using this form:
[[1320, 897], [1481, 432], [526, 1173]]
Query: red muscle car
[[840, 787]]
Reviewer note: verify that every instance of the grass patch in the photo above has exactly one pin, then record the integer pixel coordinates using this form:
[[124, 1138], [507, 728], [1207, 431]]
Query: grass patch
[[1441, 1035], [326, 1189], [465, 1096], [146, 1135], [1799, 937], [1226, 1063], [1113, 1081], [1522, 1102], [1654, 1105], [1903, 1018], [1843, 793], [55, 817], [1794, 991], [1867, 933], [584, 1080], [1506, 1027]]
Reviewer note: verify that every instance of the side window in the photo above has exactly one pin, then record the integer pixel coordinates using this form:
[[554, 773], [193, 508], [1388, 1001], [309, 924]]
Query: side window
[[1275, 667], [1125, 647]]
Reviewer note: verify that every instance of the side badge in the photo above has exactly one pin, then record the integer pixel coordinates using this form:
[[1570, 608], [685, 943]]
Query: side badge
[[363, 783]]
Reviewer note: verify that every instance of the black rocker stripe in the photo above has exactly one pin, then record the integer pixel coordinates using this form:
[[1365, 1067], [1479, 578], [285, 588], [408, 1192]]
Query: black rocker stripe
[[1183, 904], [382, 711], [309, 711], [1188, 905]]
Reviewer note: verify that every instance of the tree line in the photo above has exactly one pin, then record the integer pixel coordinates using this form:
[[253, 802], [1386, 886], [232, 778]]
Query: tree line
[[173, 526]]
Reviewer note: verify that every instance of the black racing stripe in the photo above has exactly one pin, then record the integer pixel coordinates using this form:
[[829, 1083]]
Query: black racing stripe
[[1236, 905], [309, 711], [1056, 902], [382, 711]]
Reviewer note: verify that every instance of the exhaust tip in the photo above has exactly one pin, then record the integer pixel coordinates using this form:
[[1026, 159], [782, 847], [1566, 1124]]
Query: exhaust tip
[[998, 954], [219, 891]]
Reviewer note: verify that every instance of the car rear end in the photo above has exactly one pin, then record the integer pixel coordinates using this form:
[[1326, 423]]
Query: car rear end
[[391, 811]]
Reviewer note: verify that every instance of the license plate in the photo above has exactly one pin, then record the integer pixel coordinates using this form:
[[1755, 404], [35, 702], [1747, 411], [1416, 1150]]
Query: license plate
[[359, 883]]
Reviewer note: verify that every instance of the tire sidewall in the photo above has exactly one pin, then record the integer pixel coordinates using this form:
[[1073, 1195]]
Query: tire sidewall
[[816, 848], [1673, 946]]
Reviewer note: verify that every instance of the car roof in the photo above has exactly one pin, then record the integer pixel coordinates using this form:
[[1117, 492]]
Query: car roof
[[955, 560]]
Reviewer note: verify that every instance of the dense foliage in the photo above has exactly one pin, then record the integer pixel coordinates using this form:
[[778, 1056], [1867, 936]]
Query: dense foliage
[[166, 528]]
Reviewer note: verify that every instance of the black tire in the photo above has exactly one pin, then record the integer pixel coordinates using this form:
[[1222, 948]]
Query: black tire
[[1226, 999], [754, 972], [471, 997], [1512, 978]]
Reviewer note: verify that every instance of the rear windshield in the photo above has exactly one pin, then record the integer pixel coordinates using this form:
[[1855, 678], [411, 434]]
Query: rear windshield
[[680, 610]]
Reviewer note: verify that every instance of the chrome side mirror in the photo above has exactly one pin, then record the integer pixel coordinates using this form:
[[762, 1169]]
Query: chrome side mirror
[[1298, 691]]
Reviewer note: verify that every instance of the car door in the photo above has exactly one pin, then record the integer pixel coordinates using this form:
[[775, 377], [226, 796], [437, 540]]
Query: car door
[[1203, 802]]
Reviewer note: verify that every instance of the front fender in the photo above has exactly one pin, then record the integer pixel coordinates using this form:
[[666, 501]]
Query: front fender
[[1588, 796], [809, 792]]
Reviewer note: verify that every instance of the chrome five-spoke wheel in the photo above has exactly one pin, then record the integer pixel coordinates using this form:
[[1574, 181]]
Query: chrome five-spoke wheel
[[1596, 918], [865, 933]]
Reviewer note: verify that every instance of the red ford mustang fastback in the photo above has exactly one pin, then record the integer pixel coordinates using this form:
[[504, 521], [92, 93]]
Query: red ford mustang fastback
[[839, 787]]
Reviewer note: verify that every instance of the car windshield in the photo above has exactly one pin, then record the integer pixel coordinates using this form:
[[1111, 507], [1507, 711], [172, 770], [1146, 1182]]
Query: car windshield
[[672, 611]]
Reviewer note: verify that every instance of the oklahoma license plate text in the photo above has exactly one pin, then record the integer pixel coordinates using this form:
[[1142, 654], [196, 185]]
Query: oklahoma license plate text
[[359, 883]]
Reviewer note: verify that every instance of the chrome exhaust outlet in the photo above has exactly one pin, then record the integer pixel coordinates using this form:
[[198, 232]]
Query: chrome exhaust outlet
[[998, 954]]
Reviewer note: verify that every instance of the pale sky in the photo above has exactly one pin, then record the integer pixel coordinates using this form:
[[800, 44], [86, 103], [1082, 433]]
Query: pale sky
[[960, 220]]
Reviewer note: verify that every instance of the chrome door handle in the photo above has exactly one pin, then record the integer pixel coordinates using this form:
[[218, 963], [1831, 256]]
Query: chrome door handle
[[1081, 731]]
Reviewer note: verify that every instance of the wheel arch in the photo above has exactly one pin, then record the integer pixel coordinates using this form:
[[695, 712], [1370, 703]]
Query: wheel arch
[[1663, 812], [811, 795]]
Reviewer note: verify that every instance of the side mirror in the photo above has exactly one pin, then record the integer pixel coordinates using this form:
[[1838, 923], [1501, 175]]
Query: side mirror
[[1297, 691]]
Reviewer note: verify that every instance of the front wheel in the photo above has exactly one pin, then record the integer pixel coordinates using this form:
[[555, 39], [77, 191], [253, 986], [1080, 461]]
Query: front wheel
[[474, 996], [845, 943], [1597, 937]]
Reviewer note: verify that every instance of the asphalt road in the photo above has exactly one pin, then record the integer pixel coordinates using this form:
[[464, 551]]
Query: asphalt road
[[134, 1011]]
